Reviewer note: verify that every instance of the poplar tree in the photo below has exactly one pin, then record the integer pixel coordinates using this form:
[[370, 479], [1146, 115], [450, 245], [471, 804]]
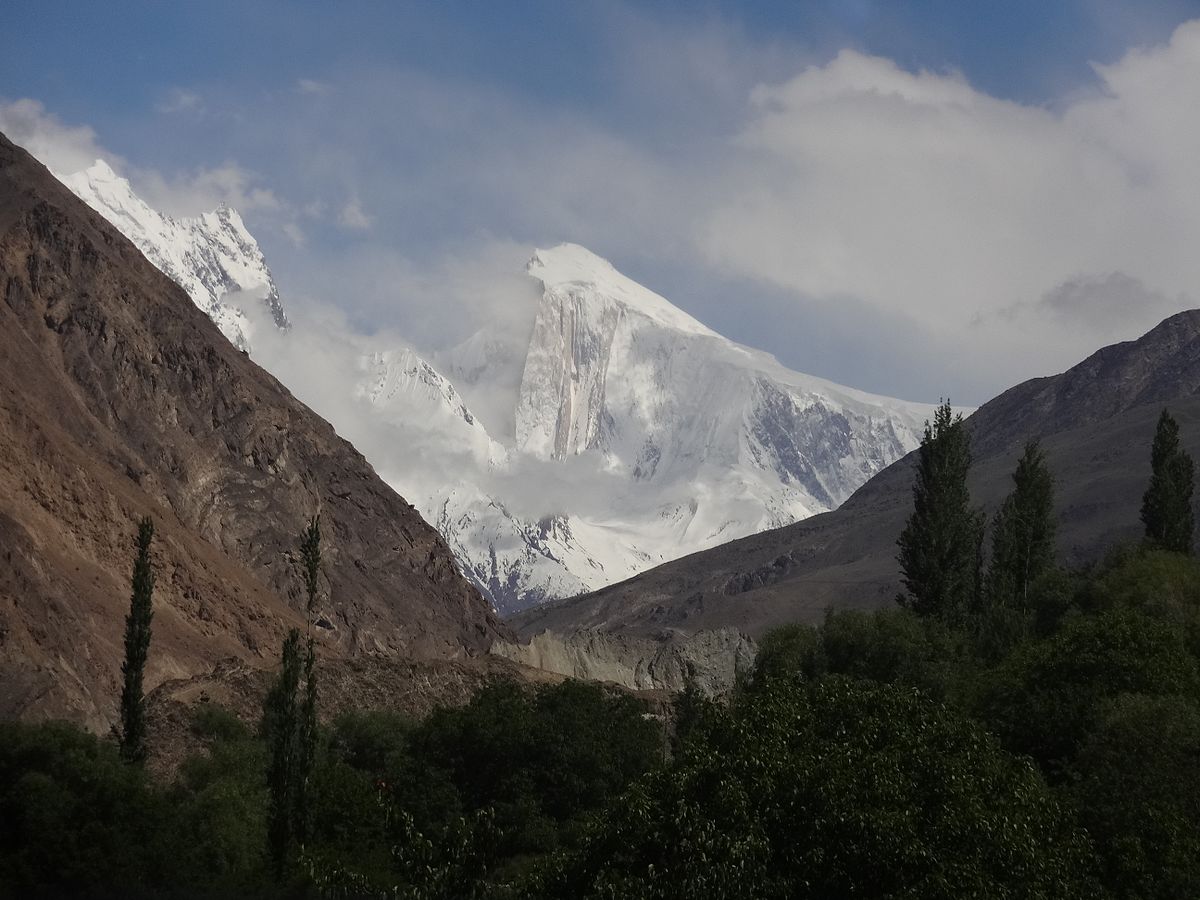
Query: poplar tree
[[940, 545], [1167, 503], [1023, 533], [137, 648], [280, 729], [310, 565], [290, 723]]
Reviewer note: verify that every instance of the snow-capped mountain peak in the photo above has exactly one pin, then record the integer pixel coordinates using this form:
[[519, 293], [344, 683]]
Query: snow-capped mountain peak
[[569, 270], [211, 256], [623, 432]]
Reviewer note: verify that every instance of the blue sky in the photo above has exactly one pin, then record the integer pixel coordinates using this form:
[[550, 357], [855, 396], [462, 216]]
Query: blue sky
[[899, 196]]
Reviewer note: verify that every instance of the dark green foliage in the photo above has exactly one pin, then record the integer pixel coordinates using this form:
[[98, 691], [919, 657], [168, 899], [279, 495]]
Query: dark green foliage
[[941, 543], [287, 773], [1023, 534], [834, 789], [540, 759], [892, 646], [137, 647], [1167, 503], [877, 755], [221, 802], [310, 561], [693, 714], [215, 722], [1046, 698], [1137, 786], [74, 819], [789, 651]]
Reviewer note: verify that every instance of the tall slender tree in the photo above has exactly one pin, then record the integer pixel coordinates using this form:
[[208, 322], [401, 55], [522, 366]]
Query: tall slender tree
[[1023, 533], [1167, 503], [279, 727], [310, 561], [940, 545], [137, 648], [310, 565], [290, 723]]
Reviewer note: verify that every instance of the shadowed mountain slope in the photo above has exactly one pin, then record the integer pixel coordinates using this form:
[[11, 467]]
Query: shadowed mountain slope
[[118, 399], [1096, 422]]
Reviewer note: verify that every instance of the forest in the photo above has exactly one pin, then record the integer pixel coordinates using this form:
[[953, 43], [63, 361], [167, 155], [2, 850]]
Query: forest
[[1010, 728]]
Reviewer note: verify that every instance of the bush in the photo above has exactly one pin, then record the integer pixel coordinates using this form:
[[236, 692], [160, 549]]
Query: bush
[[830, 789], [1044, 700]]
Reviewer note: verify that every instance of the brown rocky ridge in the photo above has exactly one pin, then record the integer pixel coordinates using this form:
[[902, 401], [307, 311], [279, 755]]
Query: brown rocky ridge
[[120, 399]]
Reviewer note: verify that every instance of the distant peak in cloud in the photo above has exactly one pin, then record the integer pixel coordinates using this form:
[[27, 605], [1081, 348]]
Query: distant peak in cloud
[[576, 269]]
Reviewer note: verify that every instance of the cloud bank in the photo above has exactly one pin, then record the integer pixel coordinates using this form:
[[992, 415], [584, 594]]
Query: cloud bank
[[895, 229]]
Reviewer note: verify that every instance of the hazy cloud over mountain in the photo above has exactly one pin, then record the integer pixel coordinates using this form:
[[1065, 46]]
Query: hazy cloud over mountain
[[884, 221]]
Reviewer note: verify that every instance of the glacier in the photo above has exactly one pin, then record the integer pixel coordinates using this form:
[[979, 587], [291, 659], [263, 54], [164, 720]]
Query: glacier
[[636, 434]]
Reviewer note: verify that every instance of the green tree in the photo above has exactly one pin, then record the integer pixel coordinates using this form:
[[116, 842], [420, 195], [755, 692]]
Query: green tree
[[1045, 699], [289, 722], [310, 564], [281, 730], [834, 788], [137, 647], [1167, 503], [1137, 787], [1023, 533], [940, 544]]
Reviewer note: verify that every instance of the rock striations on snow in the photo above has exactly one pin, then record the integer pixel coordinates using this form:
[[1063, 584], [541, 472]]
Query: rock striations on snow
[[120, 398]]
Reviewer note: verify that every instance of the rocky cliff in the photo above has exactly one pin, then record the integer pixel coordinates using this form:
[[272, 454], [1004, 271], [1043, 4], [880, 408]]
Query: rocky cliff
[[120, 398]]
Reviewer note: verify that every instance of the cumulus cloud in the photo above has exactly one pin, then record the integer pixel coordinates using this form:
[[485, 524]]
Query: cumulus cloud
[[67, 149], [62, 148], [1099, 304], [895, 229], [917, 193]]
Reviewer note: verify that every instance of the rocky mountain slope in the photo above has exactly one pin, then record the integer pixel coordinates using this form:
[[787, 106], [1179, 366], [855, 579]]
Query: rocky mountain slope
[[120, 398], [1096, 422]]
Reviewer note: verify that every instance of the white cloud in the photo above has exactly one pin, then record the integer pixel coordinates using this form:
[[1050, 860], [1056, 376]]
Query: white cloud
[[190, 193], [854, 199], [353, 218], [921, 195], [68, 149], [61, 148]]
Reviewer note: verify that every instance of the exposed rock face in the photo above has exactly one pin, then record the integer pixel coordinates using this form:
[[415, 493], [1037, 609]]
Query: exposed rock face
[[711, 660], [119, 398], [1096, 422]]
